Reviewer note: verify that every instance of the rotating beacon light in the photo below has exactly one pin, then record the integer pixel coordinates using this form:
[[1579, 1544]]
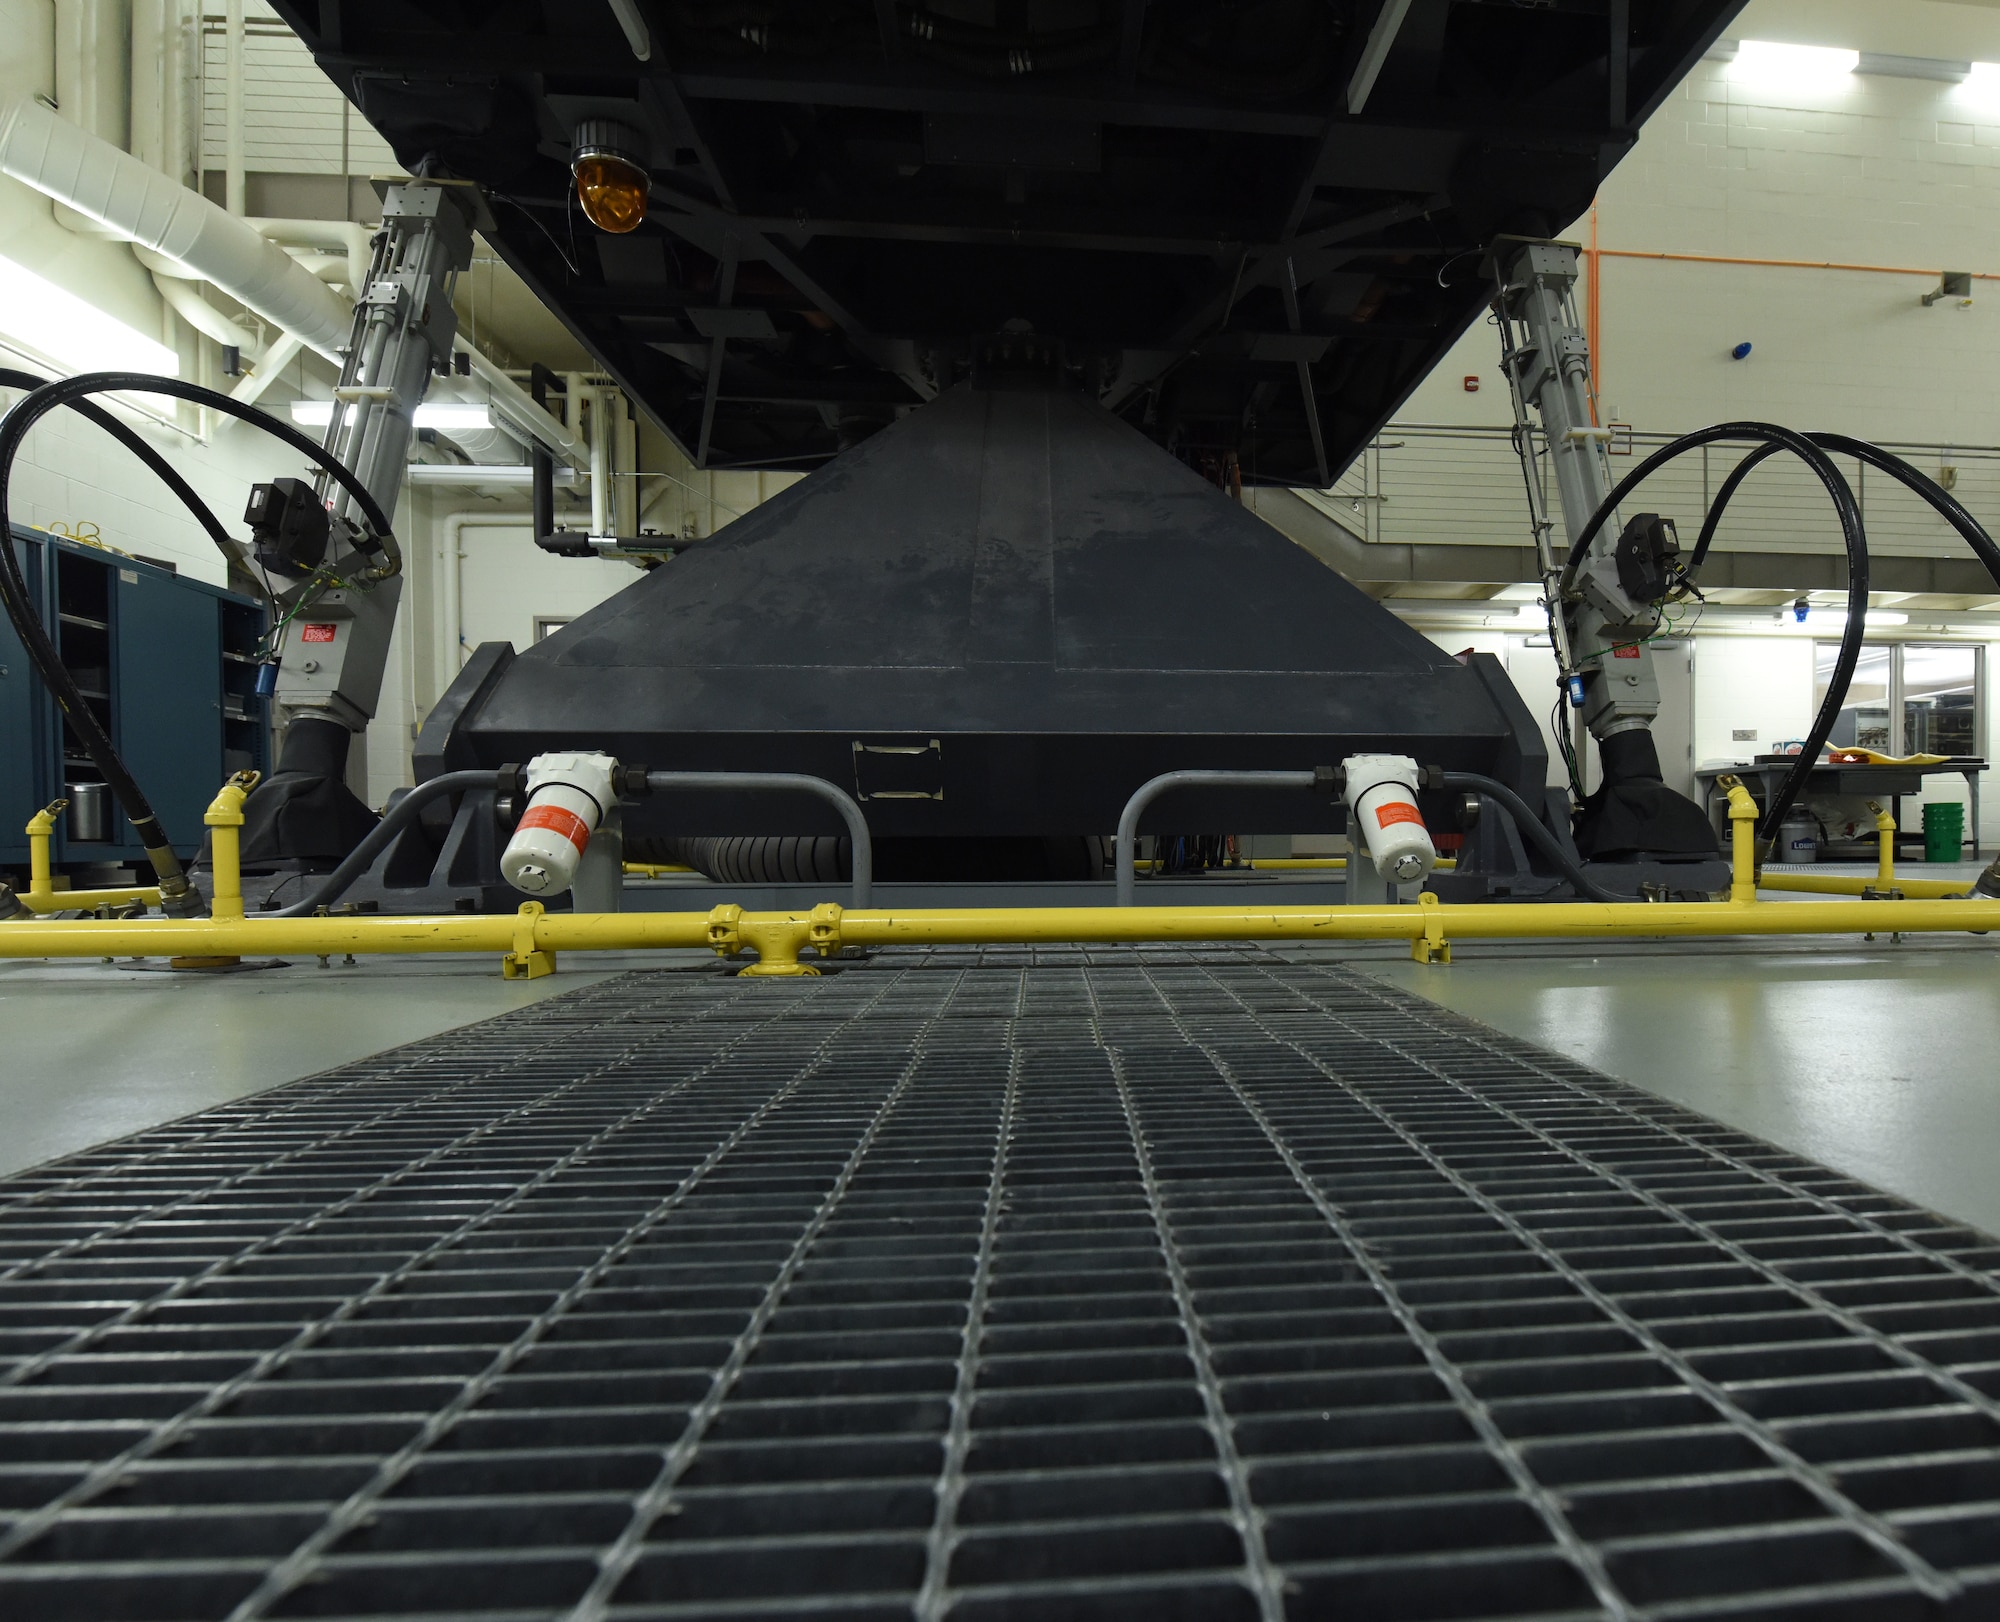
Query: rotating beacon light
[[609, 168], [1381, 798], [567, 798]]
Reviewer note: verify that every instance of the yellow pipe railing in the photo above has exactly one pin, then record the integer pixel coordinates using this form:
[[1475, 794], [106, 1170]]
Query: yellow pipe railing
[[1884, 884], [42, 895], [530, 939], [1853, 884]]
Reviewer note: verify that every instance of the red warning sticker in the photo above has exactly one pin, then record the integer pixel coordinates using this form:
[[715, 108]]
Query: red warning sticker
[[317, 633], [553, 817], [1625, 653], [1387, 816]]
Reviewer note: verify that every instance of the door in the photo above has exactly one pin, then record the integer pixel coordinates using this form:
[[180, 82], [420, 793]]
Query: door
[[1673, 727], [22, 770], [170, 698]]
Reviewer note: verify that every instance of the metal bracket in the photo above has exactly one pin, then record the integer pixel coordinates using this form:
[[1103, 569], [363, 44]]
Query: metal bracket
[[527, 961]]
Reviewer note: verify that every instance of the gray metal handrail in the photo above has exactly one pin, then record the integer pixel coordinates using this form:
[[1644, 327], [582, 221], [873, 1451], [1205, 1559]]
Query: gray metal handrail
[[850, 813], [1128, 819]]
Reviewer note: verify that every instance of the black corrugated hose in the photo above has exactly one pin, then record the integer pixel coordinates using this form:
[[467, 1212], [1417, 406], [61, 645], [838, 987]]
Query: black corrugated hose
[[1772, 439], [177, 896]]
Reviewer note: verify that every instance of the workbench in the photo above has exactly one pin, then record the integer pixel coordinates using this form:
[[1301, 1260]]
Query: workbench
[[1862, 782]]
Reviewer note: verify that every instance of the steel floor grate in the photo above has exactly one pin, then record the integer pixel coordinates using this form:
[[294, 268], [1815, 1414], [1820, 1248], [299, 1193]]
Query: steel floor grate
[[1168, 1290]]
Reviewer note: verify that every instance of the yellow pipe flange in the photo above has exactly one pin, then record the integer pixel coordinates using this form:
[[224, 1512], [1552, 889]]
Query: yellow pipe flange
[[777, 940], [527, 961], [1430, 946]]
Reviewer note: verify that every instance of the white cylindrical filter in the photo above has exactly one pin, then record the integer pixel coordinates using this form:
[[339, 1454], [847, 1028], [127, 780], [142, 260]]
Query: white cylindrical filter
[[568, 796], [1382, 803]]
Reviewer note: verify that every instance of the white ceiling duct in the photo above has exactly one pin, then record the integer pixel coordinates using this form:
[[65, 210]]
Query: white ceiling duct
[[120, 191]]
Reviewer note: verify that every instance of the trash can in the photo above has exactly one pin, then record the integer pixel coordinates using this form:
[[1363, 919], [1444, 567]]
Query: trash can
[[89, 812], [1798, 837], [1944, 832]]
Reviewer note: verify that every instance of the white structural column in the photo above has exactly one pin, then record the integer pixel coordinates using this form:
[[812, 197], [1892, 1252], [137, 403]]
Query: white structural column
[[233, 187]]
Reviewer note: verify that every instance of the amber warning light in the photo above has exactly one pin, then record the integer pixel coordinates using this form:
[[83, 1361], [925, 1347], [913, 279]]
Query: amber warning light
[[611, 182]]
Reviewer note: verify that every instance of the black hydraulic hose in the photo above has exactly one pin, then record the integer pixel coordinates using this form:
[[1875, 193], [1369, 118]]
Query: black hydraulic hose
[[1773, 439], [1536, 830], [50, 395], [1928, 489], [394, 823], [1921, 484], [161, 469], [1799, 444], [1947, 506], [175, 894]]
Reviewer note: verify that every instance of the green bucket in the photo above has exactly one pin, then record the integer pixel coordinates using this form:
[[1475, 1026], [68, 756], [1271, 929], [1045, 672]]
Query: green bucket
[[1944, 832]]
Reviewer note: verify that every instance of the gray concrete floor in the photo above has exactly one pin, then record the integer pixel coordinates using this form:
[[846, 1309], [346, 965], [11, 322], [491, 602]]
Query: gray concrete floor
[[94, 1051], [1882, 1060]]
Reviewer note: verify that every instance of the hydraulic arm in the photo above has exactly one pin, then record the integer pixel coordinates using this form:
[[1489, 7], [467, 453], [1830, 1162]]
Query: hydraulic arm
[[333, 642], [1602, 626]]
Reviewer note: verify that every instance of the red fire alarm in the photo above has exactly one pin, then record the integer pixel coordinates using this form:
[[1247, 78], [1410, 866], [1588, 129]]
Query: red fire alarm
[[1472, 385]]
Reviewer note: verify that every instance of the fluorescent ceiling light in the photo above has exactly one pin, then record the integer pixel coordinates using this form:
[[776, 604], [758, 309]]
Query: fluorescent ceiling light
[[449, 414], [445, 414], [1982, 84], [74, 333], [1828, 622], [1770, 66]]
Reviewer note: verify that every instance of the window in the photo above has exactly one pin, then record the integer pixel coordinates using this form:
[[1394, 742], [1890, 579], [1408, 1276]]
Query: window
[[1908, 698], [546, 625], [1941, 701]]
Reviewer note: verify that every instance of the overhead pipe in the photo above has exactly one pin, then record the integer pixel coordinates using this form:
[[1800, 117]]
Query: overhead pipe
[[177, 290], [45, 151], [345, 237], [517, 409]]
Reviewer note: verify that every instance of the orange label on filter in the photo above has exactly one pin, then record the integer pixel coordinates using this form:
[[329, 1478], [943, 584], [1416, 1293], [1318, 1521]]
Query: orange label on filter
[[1625, 653], [1387, 816], [553, 817], [317, 633]]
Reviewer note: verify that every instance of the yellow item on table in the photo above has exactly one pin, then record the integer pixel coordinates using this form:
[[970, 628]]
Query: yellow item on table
[[1874, 757]]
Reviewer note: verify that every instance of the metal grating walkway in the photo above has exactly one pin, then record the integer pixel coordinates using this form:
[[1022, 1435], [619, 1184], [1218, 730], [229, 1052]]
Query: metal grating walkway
[[1198, 1287]]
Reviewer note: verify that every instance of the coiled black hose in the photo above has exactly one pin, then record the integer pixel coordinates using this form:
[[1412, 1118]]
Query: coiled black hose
[[1772, 440], [161, 469], [1941, 500], [1921, 484], [176, 896]]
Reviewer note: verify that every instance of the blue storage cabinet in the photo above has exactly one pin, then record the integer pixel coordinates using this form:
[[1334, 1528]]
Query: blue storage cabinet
[[167, 664]]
